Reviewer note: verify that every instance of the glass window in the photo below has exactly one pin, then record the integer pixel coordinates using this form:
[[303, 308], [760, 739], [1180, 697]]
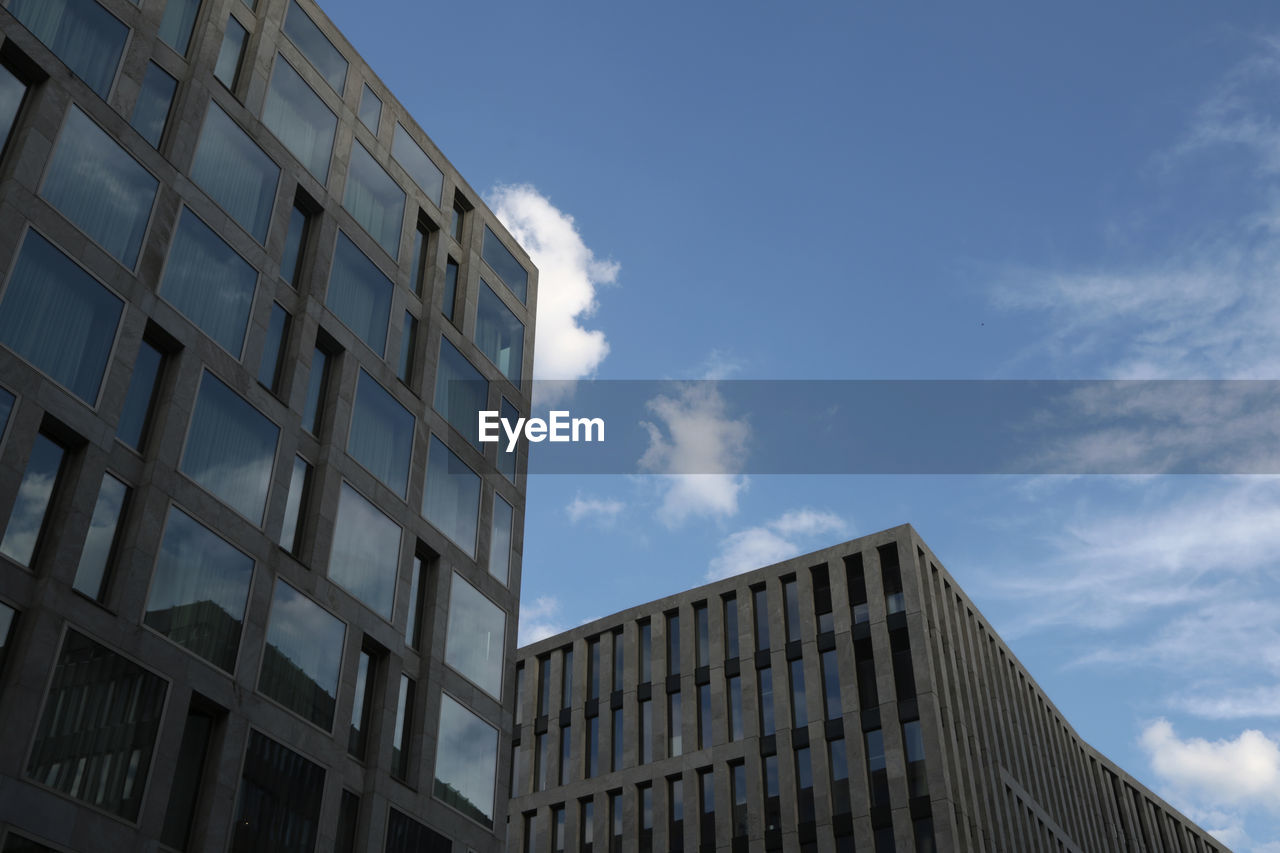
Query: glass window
[[799, 710], [85, 36], [507, 458], [12, 91], [618, 662], [280, 797], [541, 760], [673, 644], [705, 726], [831, 684], [151, 111], [675, 726], [735, 707], [450, 295], [499, 334], [791, 597], [294, 241], [593, 668], [199, 590], [374, 199], [461, 393], [876, 767], [178, 23], [913, 743], [415, 161], [458, 214], [269, 370], [370, 109], [348, 823], [59, 318], [544, 685], [617, 739], [566, 747], [501, 261], [227, 68], [771, 776], [99, 544], [315, 391], [209, 283], [359, 294], [235, 172], [557, 829], [566, 677], [140, 397], [760, 604], [365, 560], [315, 46], [765, 677], [731, 627], [451, 500], [703, 632], [185, 791], [408, 342], [381, 436], [839, 761], [100, 757], [302, 657], [476, 636], [646, 731], [35, 494], [401, 734], [231, 448], [646, 652], [6, 408], [417, 591], [406, 835], [418, 269], [94, 183], [295, 505], [299, 118], [500, 541], [593, 747], [466, 761]]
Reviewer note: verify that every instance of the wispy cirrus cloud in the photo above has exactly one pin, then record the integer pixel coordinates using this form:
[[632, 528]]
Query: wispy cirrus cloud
[[779, 539], [603, 511]]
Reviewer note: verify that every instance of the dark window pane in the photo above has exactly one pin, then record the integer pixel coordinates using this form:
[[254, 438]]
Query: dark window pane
[[12, 91], [416, 270], [362, 706], [791, 597], [507, 458], [799, 710], [295, 238], [381, 437], [618, 738], [348, 823], [673, 644], [455, 221], [705, 730], [302, 657], [765, 677], [91, 572], [315, 391], [184, 790], [408, 342], [400, 740], [406, 835], [231, 448], [499, 334], [370, 109], [831, 684], [269, 370], [85, 36], [295, 504], [735, 707], [178, 22], [450, 288], [374, 199], [500, 543], [359, 294], [299, 118], [316, 47], [227, 68], [151, 111], [675, 726], [235, 172], [703, 638], [35, 493], [140, 397], [760, 604], [566, 747], [417, 590], [279, 804], [209, 283], [451, 500], [417, 163], [466, 761], [365, 559], [99, 727], [8, 618], [461, 393], [731, 627], [501, 261]]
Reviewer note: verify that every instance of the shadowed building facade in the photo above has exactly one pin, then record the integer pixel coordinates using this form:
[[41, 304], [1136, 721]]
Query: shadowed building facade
[[850, 699], [257, 587]]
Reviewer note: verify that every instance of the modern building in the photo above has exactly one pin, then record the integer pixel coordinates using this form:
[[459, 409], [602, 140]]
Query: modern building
[[258, 586], [850, 699]]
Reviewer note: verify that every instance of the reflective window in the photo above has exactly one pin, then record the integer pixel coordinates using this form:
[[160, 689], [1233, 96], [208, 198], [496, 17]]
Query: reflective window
[[231, 447], [140, 397], [760, 604], [451, 500], [59, 318], [417, 591], [94, 183], [466, 761], [374, 199], [702, 634], [178, 23], [418, 269], [151, 111], [765, 677], [315, 391], [359, 294], [461, 393], [366, 552], [302, 657], [99, 727], [791, 597], [675, 726], [646, 651], [839, 761], [646, 731], [362, 706], [280, 797], [476, 636], [295, 505], [315, 46], [381, 437], [771, 776], [593, 747], [85, 36], [799, 710], [730, 626], [450, 296], [35, 493], [209, 283], [403, 729], [566, 677], [501, 261], [348, 823], [12, 91], [415, 161], [269, 369], [500, 541], [294, 241], [831, 684], [876, 773], [456, 216], [735, 707], [408, 342], [199, 590], [227, 68], [913, 744], [370, 109], [299, 118], [507, 459], [235, 172], [91, 572], [406, 835], [499, 334], [673, 644]]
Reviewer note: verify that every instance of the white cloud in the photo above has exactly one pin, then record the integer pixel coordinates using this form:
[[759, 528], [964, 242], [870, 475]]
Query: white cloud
[[698, 450], [539, 619], [1229, 704], [771, 542], [569, 275], [1231, 773], [604, 510]]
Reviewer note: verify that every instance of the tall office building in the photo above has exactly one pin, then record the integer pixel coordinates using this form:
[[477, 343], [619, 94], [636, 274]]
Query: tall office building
[[849, 699], [257, 586]]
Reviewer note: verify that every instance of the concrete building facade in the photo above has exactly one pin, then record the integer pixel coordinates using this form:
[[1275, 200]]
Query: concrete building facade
[[258, 582], [850, 699]]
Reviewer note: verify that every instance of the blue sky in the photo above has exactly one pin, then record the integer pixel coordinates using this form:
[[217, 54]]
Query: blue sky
[[813, 191]]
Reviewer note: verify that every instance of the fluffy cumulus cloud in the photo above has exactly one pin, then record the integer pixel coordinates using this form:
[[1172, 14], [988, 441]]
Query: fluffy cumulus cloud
[[773, 541], [697, 448], [569, 276], [539, 619], [603, 511], [1245, 770]]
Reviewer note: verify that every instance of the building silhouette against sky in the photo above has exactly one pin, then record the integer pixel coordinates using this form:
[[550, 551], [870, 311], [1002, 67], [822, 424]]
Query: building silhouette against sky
[[850, 699], [257, 590]]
